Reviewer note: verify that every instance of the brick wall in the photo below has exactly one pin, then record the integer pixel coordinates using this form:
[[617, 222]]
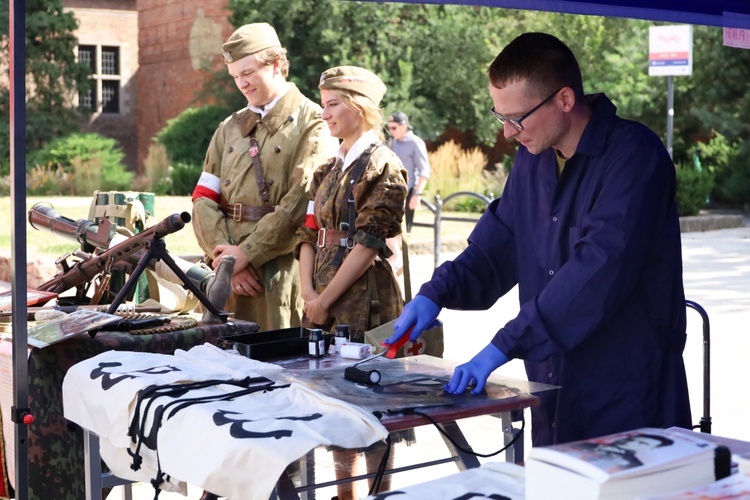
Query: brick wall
[[180, 43], [109, 23]]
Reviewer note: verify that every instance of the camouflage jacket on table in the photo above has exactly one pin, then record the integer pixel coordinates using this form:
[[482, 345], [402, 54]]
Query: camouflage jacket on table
[[293, 140], [379, 202]]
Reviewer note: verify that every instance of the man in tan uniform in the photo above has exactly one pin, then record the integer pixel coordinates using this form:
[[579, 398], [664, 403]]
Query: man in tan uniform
[[251, 196]]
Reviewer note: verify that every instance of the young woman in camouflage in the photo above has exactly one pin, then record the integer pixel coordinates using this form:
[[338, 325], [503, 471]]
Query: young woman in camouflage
[[357, 201]]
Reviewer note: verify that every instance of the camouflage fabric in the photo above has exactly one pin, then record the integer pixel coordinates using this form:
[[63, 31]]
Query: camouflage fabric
[[56, 464], [379, 202], [293, 140]]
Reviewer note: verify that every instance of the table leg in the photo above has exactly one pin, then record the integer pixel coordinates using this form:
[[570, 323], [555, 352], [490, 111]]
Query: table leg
[[514, 454], [465, 460], [94, 479]]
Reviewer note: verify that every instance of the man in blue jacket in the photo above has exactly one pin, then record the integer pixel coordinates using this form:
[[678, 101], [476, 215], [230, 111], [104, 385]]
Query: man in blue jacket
[[588, 228]]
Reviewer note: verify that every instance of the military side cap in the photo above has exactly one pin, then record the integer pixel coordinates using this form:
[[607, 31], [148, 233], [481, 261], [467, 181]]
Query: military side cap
[[353, 79], [249, 39]]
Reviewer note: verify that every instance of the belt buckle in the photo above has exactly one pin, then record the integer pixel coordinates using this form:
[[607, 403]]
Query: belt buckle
[[321, 237], [237, 215]]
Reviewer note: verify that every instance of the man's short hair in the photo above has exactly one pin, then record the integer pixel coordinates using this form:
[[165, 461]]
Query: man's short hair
[[542, 60]]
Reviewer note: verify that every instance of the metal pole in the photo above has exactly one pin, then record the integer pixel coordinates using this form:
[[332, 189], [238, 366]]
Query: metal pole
[[670, 112], [20, 411], [438, 243]]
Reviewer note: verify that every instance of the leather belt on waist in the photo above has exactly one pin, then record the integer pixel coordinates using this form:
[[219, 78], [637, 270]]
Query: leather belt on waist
[[241, 213], [333, 238]]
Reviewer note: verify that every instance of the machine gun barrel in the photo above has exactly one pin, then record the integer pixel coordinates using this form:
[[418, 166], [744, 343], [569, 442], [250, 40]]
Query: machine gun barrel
[[91, 235]]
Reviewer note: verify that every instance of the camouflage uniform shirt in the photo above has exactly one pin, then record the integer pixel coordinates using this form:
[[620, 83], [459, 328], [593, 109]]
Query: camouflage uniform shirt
[[379, 195]]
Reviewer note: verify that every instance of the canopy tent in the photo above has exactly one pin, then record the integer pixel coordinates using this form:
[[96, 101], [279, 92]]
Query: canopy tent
[[721, 13]]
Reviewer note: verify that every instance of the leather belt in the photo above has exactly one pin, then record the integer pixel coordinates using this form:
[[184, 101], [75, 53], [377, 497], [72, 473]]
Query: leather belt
[[333, 238], [241, 213]]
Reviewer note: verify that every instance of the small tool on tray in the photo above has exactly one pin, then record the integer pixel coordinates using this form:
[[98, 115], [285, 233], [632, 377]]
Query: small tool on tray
[[372, 377]]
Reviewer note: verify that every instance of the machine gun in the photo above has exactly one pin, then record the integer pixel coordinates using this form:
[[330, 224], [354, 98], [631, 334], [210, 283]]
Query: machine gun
[[132, 255], [99, 235]]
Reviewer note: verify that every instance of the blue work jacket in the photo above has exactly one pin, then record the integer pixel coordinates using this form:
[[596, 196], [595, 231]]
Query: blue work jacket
[[596, 254]]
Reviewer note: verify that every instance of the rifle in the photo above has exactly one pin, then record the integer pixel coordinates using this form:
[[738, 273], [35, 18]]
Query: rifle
[[145, 246]]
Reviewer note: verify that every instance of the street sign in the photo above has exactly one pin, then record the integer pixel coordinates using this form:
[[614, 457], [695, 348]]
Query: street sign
[[737, 37], [670, 50]]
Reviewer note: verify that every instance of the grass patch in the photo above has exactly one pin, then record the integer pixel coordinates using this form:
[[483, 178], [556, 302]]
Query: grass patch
[[45, 245]]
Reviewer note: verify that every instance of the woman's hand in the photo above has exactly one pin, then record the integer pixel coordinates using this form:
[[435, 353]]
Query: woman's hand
[[316, 311]]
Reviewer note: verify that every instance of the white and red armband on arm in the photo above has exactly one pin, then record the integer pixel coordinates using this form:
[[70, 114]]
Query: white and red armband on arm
[[209, 186], [310, 221]]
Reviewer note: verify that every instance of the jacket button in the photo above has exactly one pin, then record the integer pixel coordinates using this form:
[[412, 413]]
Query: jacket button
[[277, 149], [231, 148], [248, 246], [551, 272], [269, 182], [554, 219], [227, 182], [550, 375]]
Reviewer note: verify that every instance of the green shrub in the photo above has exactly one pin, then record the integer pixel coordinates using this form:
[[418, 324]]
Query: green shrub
[[82, 149], [693, 189], [188, 135], [717, 157], [184, 177], [735, 188]]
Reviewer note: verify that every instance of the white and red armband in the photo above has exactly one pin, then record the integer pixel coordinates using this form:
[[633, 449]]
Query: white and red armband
[[209, 186], [310, 221]]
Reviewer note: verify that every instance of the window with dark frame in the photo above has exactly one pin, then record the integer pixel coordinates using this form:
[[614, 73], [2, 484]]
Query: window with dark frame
[[104, 93]]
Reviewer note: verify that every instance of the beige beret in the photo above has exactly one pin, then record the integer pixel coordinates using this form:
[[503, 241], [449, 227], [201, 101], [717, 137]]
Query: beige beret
[[249, 39], [353, 79]]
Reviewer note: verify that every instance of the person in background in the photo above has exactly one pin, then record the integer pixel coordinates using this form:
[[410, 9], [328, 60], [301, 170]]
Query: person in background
[[356, 203], [413, 154], [251, 196], [588, 229]]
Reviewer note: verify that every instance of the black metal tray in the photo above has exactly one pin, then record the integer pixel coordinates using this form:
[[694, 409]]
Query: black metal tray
[[269, 344]]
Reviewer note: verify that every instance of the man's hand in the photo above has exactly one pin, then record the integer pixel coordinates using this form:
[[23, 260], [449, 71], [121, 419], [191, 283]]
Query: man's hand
[[420, 312], [414, 201], [241, 260], [476, 371], [246, 282]]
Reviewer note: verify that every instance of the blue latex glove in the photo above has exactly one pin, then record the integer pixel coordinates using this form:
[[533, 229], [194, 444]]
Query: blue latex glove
[[420, 312], [476, 371]]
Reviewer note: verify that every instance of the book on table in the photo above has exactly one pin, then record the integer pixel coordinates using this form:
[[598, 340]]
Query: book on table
[[646, 461], [734, 487]]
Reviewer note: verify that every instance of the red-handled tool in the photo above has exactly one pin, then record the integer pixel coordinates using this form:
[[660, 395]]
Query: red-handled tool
[[372, 377]]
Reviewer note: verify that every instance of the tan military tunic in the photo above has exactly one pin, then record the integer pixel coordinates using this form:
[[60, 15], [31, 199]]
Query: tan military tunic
[[293, 140], [375, 298]]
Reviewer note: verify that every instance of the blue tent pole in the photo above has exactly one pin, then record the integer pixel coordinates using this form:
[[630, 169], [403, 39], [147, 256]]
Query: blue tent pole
[[20, 410]]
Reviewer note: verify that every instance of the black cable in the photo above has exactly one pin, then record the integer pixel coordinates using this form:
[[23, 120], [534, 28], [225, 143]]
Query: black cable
[[382, 466], [408, 411]]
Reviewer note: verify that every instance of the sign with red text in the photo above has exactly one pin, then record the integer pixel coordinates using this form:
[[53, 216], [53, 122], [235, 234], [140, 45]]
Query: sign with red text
[[737, 37], [670, 50]]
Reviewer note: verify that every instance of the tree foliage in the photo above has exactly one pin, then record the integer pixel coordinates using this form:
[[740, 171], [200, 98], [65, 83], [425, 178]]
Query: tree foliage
[[433, 58], [53, 75]]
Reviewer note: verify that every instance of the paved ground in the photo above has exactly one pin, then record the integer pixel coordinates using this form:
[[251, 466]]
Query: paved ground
[[716, 275]]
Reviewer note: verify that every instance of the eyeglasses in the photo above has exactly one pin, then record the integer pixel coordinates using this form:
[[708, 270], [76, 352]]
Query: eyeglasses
[[516, 123]]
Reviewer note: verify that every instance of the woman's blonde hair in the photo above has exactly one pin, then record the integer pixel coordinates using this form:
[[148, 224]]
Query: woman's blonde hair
[[370, 112]]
